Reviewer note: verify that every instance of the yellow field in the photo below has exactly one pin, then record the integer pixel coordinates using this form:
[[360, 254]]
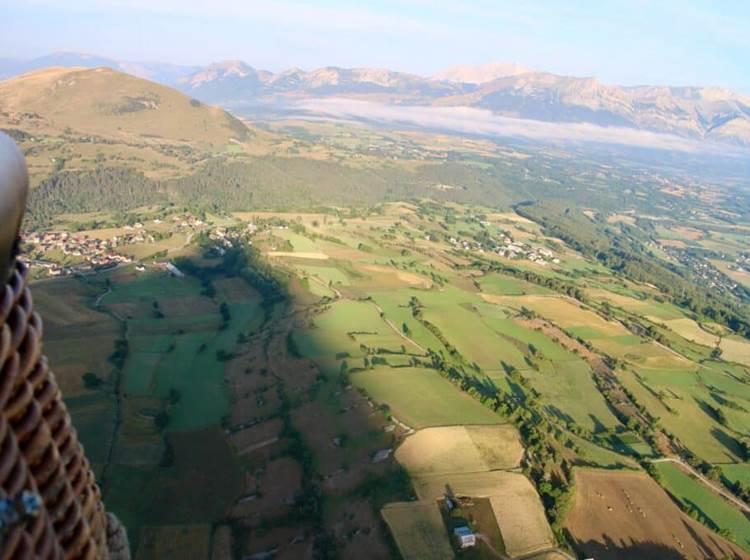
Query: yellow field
[[463, 449], [690, 330], [515, 503], [739, 276], [419, 530], [403, 277], [561, 311], [736, 350], [298, 255], [626, 302], [79, 337]]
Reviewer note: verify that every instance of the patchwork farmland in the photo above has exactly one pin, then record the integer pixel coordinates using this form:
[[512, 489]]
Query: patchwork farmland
[[361, 380]]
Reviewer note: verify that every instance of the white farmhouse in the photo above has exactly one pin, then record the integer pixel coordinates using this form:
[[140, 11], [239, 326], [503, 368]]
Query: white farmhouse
[[466, 539]]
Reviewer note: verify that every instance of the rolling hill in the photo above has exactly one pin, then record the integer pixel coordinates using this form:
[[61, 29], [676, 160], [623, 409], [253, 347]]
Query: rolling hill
[[79, 118], [162, 72], [105, 102]]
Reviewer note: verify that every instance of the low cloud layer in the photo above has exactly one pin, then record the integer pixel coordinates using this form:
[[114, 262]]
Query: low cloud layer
[[468, 120]]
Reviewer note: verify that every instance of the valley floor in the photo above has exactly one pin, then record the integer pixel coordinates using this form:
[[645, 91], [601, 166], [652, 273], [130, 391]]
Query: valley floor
[[360, 385]]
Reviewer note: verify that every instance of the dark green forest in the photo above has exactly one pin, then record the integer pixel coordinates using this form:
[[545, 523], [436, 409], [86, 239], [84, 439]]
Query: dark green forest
[[281, 183]]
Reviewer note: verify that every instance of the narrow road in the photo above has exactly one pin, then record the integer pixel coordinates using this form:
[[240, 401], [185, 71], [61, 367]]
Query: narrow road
[[713, 486], [398, 331], [181, 247], [98, 301]]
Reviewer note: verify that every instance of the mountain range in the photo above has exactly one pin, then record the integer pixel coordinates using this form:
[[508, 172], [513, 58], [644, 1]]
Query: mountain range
[[703, 113]]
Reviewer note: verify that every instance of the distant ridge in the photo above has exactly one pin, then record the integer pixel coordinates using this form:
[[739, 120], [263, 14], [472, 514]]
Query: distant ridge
[[480, 73], [701, 113]]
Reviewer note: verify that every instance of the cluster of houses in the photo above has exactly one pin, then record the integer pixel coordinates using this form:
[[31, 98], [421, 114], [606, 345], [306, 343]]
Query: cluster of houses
[[186, 221], [742, 263], [84, 253], [89, 252], [704, 272], [508, 248]]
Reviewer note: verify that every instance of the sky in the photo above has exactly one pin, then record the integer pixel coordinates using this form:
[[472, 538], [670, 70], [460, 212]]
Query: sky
[[675, 42]]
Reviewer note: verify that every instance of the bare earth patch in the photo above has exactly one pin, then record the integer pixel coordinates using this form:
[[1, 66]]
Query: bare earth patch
[[620, 514]]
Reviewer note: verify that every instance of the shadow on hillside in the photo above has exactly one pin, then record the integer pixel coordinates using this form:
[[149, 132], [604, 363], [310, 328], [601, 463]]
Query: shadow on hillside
[[704, 546], [610, 550]]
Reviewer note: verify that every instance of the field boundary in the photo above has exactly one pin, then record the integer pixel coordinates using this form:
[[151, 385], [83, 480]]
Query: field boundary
[[706, 482]]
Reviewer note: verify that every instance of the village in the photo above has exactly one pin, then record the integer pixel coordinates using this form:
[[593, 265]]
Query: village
[[64, 253], [703, 271], [506, 247], [83, 252]]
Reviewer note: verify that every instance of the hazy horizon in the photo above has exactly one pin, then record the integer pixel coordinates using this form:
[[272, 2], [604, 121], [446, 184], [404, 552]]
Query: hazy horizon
[[624, 43]]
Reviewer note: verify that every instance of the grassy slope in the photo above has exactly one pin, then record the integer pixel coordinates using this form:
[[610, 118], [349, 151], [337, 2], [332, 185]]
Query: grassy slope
[[694, 494], [421, 397]]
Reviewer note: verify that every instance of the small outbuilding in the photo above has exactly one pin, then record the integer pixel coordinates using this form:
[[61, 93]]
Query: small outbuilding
[[465, 537]]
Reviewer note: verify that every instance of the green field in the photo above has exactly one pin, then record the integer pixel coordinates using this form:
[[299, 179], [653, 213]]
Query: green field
[[422, 398], [477, 341], [736, 473], [300, 243], [183, 356], [395, 304], [508, 286], [717, 513], [327, 274], [570, 395], [172, 367], [342, 330], [591, 454], [689, 419]]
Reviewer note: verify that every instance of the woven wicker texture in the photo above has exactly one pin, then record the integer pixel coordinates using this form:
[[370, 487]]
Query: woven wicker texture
[[39, 448]]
